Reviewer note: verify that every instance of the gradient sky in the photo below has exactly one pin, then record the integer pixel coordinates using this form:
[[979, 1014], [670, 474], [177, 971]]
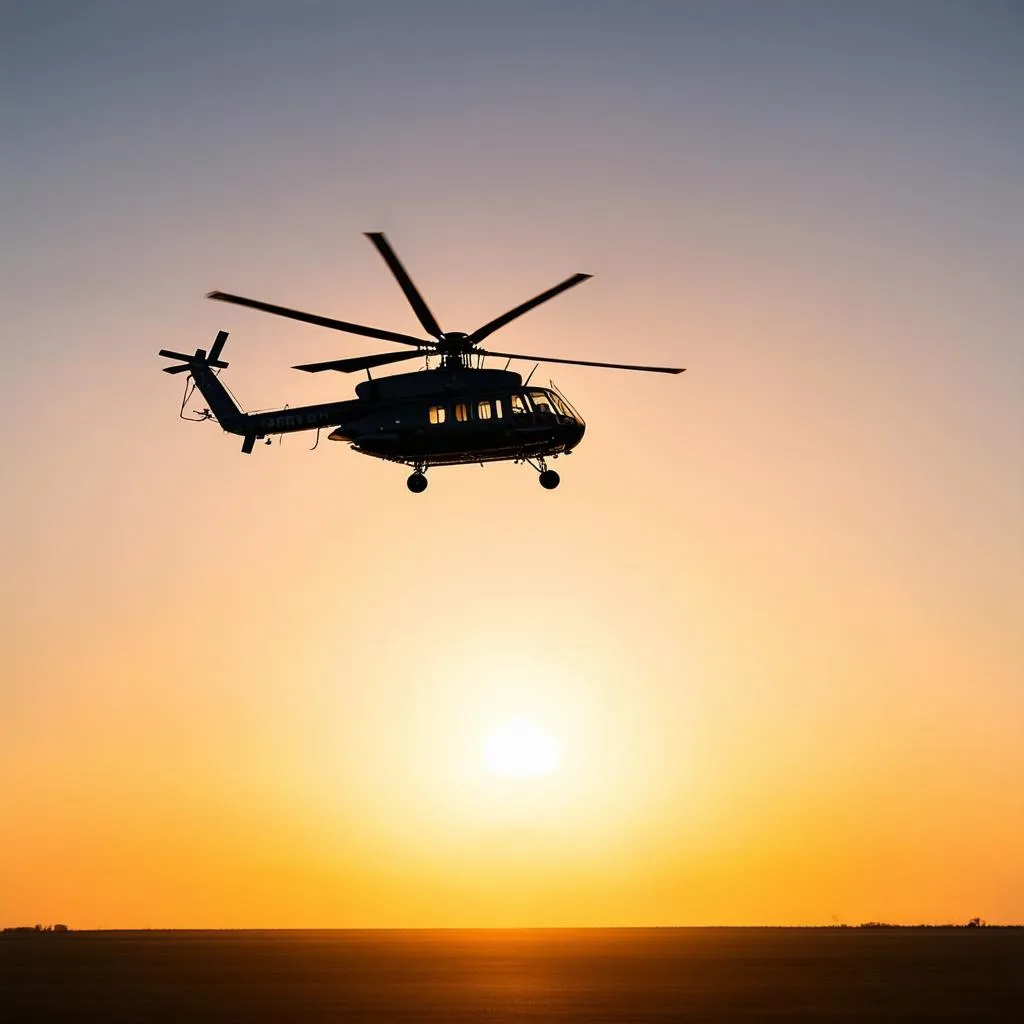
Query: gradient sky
[[773, 616]]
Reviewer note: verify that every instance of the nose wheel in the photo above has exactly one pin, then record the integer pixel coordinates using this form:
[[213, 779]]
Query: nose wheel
[[417, 483]]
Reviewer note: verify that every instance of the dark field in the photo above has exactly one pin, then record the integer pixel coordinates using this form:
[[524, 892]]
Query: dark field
[[761, 974]]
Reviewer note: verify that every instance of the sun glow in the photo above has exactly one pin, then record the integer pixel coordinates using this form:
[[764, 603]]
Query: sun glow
[[519, 749]]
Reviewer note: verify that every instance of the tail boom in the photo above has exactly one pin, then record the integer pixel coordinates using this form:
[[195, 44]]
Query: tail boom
[[250, 426]]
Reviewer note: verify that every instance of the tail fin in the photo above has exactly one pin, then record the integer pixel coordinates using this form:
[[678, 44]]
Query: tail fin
[[222, 405]]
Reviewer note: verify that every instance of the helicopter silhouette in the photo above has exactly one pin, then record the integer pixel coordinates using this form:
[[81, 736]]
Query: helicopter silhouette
[[457, 412]]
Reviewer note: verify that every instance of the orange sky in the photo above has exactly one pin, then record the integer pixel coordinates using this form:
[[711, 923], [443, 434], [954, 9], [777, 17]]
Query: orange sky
[[772, 615]]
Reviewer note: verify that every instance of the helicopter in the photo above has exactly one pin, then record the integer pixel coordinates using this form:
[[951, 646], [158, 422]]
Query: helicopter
[[457, 412]]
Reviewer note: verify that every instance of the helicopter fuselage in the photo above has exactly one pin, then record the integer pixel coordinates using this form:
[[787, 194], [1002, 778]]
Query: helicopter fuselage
[[445, 417], [427, 418]]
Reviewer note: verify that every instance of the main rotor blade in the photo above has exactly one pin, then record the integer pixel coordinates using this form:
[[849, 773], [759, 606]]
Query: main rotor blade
[[423, 314], [357, 363], [482, 332], [583, 362], [320, 321], [177, 368]]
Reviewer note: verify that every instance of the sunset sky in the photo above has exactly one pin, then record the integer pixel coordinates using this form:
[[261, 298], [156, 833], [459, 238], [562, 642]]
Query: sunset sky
[[773, 618]]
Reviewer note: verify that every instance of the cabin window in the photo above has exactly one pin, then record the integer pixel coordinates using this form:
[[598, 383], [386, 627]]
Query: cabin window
[[497, 409], [519, 406], [437, 414], [483, 410], [461, 412]]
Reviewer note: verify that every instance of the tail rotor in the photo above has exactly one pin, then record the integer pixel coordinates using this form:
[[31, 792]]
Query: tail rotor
[[200, 358]]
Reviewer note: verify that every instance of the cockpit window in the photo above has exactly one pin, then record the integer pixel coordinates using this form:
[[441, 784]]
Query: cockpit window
[[519, 405], [542, 403], [438, 414]]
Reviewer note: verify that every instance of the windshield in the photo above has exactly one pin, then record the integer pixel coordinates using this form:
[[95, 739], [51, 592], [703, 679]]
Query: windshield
[[560, 407]]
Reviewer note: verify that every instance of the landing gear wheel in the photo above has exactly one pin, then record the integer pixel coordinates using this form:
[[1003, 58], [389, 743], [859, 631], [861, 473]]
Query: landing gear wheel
[[549, 479], [417, 483]]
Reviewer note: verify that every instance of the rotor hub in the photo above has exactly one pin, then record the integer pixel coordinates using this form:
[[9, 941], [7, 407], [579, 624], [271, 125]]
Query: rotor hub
[[454, 341]]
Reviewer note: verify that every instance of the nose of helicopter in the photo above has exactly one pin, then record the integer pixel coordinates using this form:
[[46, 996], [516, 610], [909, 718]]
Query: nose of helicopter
[[574, 434]]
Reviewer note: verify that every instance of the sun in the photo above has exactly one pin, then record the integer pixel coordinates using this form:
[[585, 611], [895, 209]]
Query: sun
[[520, 749]]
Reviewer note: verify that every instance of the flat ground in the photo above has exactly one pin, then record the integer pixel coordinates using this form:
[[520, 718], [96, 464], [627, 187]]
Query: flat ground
[[698, 974]]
